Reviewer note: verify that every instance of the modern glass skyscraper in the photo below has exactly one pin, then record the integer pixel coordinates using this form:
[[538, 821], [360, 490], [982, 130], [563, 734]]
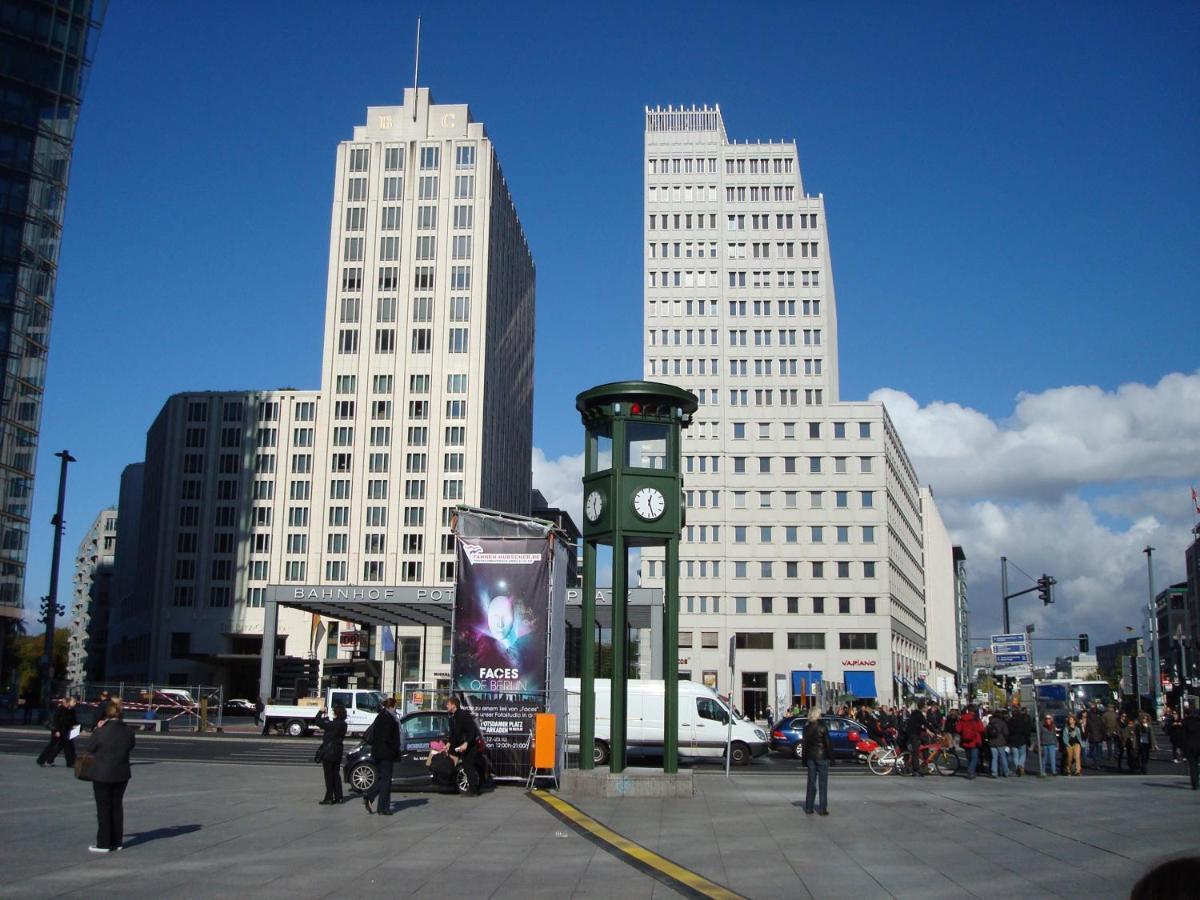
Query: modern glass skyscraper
[[45, 50]]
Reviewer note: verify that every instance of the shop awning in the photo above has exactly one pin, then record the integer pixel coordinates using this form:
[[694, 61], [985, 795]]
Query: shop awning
[[860, 684]]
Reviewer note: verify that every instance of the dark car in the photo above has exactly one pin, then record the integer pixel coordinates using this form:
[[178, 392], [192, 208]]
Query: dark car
[[238, 708], [788, 735], [417, 731]]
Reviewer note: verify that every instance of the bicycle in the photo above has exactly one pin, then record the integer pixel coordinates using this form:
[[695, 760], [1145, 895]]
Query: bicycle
[[933, 757]]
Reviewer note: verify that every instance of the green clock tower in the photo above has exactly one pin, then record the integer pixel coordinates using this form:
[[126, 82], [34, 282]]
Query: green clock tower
[[632, 497]]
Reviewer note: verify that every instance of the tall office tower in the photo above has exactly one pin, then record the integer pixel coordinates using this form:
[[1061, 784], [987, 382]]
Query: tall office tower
[[46, 48], [803, 536], [92, 592], [428, 362], [425, 403]]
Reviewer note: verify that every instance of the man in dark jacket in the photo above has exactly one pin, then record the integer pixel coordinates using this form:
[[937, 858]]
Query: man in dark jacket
[[464, 739], [914, 732], [1020, 735], [818, 757], [1095, 735], [61, 722], [1190, 738], [384, 738]]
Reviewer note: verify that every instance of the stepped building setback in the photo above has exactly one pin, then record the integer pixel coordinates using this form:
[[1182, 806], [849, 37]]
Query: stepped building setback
[[803, 541]]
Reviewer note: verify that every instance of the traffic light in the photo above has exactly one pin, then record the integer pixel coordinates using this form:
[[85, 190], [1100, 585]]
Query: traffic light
[[1045, 589], [1083, 643]]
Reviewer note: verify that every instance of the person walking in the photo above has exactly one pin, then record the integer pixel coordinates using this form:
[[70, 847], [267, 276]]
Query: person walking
[[818, 757], [914, 733], [110, 744], [1173, 726], [1048, 737], [1145, 742], [970, 733], [1190, 739], [384, 738], [1073, 738], [62, 720], [770, 718], [1020, 736], [259, 709], [331, 751], [997, 741], [464, 740], [1121, 739]]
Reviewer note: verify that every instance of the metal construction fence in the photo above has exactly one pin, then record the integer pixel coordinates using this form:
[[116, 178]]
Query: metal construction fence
[[194, 708]]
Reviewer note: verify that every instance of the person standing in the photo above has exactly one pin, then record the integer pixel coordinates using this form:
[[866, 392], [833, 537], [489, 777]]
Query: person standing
[[110, 744], [1020, 736], [1048, 736], [1073, 738], [997, 740], [1109, 718], [1173, 726], [818, 757], [1121, 739], [464, 740], [1190, 739], [332, 749], [914, 732], [770, 718], [259, 709], [1144, 742], [970, 732], [62, 720], [1094, 732], [384, 738]]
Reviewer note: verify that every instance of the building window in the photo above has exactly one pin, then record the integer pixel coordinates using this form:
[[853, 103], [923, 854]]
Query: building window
[[806, 640], [754, 640], [858, 640]]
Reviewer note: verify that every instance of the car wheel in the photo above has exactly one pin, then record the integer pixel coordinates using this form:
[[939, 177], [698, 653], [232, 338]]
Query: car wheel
[[295, 728], [739, 754], [600, 754], [466, 781], [798, 750], [363, 777]]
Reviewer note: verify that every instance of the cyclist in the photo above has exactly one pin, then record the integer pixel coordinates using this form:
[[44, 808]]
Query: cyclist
[[914, 732]]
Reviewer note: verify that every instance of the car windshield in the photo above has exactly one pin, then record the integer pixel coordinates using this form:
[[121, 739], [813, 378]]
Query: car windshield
[[370, 701]]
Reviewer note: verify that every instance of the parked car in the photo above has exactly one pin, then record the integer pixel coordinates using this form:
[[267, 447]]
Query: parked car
[[237, 708], [788, 735], [417, 730]]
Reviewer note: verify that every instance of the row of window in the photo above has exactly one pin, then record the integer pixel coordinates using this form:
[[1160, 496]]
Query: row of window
[[711, 499], [703, 534], [757, 279], [457, 341], [790, 569], [682, 166], [350, 309], [353, 248], [796, 640]]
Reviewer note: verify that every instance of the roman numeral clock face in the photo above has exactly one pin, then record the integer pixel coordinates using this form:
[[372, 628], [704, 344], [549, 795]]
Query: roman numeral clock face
[[649, 503]]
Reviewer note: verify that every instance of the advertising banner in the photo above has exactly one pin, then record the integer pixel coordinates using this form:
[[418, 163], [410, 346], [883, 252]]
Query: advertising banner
[[501, 630]]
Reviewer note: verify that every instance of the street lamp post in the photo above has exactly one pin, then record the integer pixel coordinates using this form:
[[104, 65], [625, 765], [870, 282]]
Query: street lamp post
[[1152, 615], [47, 661]]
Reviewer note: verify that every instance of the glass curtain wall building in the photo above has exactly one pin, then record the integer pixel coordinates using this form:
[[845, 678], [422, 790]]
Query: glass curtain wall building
[[45, 52]]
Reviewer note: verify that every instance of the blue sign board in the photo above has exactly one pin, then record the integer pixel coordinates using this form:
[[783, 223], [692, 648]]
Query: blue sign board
[[1012, 659]]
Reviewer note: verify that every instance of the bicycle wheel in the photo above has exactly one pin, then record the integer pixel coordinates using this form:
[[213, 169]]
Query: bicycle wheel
[[946, 762], [881, 761], [901, 767]]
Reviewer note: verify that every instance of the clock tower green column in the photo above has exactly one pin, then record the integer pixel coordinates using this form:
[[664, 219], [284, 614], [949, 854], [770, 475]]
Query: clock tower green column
[[632, 497]]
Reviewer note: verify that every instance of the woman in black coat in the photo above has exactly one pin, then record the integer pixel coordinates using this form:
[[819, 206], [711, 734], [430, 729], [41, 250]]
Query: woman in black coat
[[331, 753], [110, 744]]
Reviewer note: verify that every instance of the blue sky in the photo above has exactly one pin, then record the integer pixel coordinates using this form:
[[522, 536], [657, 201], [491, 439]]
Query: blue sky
[[1011, 194]]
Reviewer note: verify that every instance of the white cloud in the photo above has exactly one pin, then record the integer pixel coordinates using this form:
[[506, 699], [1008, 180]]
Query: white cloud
[[1055, 441], [559, 480]]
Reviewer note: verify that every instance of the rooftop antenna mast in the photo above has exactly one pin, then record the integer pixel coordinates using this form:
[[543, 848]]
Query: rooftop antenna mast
[[416, 67]]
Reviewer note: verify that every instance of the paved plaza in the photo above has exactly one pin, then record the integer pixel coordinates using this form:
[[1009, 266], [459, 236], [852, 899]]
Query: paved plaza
[[209, 829]]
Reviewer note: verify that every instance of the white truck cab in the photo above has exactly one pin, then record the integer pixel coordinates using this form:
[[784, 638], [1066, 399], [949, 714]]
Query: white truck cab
[[703, 722]]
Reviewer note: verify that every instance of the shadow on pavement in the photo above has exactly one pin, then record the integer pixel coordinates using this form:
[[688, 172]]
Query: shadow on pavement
[[407, 804], [145, 837], [1174, 787]]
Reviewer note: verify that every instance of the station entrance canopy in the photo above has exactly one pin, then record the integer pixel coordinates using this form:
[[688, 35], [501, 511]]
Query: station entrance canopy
[[432, 606]]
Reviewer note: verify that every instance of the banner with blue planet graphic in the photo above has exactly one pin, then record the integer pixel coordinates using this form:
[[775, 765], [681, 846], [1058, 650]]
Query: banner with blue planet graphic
[[500, 615], [501, 630]]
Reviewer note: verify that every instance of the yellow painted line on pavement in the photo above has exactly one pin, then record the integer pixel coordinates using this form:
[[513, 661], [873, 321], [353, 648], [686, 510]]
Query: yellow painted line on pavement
[[646, 860]]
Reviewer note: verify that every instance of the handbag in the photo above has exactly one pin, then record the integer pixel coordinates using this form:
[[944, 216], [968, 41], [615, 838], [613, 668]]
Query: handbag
[[84, 762]]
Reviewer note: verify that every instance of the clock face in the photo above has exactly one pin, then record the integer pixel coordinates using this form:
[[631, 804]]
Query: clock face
[[649, 503], [594, 506]]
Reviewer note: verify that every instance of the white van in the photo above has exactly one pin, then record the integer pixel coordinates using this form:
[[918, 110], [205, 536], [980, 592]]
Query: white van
[[703, 722]]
